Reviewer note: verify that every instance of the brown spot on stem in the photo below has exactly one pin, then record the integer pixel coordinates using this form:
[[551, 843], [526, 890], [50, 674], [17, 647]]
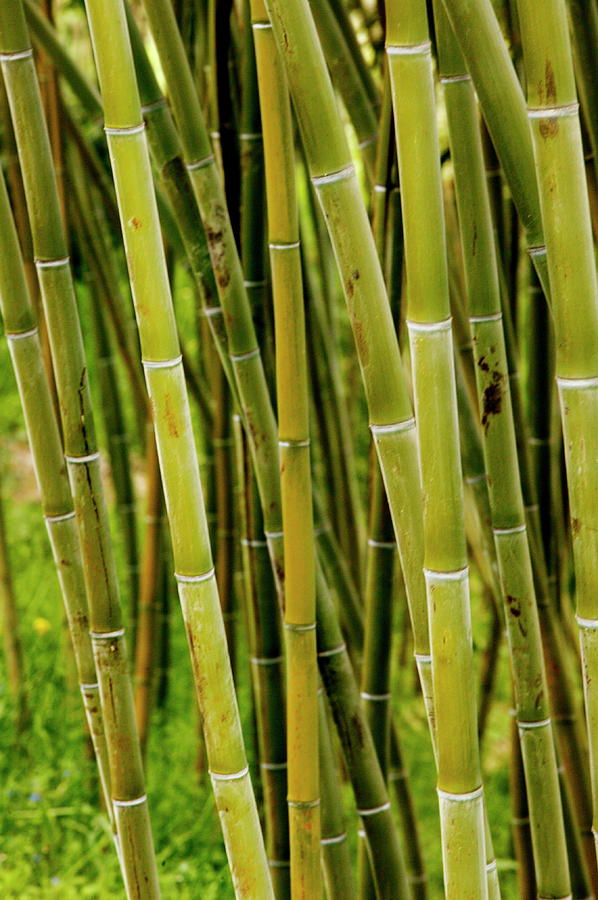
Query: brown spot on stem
[[483, 364], [550, 83], [474, 241], [575, 526], [491, 400], [135, 223]]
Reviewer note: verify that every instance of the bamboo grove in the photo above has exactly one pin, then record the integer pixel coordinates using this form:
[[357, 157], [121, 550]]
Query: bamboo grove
[[301, 301]]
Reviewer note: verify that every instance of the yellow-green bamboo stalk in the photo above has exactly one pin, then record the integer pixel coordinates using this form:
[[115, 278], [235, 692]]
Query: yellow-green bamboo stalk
[[293, 429], [554, 123], [430, 335], [178, 461], [126, 772], [506, 499]]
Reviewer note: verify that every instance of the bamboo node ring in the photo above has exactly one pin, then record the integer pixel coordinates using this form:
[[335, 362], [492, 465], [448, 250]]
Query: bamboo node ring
[[273, 767], [18, 54], [304, 804], [409, 49], [541, 724], [94, 686], [21, 335], [266, 660], [456, 575], [537, 251], [278, 863], [273, 535], [136, 802], [394, 427], [61, 517], [195, 579], [150, 107], [334, 651], [383, 545], [291, 626], [304, 443], [492, 317], [285, 245], [374, 810], [162, 363], [586, 623], [247, 542], [577, 383], [454, 79], [377, 698], [107, 635], [124, 131], [262, 26], [336, 839], [211, 311], [254, 284], [444, 325], [52, 263], [460, 798], [250, 136], [239, 357], [331, 177], [233, 776], [516, 529], [200, 163], [553, 112], [83, 460]]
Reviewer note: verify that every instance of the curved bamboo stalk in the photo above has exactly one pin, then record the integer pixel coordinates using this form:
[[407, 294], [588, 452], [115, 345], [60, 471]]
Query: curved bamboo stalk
[[126, 771], [178, 461]]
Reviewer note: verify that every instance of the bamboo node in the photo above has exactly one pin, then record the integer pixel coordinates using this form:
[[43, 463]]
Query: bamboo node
[[162, 363], [285, 245], [376, 698], [336, 839], [586, 623], [273, 535], [291, 626], [383, 545], [61, 517], [454, 79], [83, 460], [254, 284], [247, 542], [195, 579], [211, 311], [21, 335], [52, 263], [516, 529], [334, 651], [540, 250], [444, 325], [380, 188], [374, 810], [366, 142], [250, 136], [577, 383], [455, 575], [266, 660], [118, 131], [279, 863], [493, 317], [543, 723], [239, 357], [423, 658], [553, 112], [18, 54], [273, 767], [460, 798], [200, 163], [330, 178], [261, 26], [107, 635], [304, 804], [474, 479], [409, 49], [137, 801], [396, 426], [298, 443], [94, 686], [233, 776]]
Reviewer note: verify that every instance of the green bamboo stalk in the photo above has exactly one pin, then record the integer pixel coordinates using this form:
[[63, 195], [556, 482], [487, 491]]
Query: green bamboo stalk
[[126, 773], [502, 102], [506, 498], [293, 418], [267, 673], [46, 448], [447, 578], [165, 380], [553, 116]]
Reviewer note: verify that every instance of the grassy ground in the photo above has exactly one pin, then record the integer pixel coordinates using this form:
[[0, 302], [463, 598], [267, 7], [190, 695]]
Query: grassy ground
[[54, 839]]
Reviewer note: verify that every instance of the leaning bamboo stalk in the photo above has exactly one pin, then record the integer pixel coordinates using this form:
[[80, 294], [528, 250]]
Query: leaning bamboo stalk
[[178, 461], [554, 123], [506, 498], [294, 443], [46, 448], [126, 772], [430, 335]]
